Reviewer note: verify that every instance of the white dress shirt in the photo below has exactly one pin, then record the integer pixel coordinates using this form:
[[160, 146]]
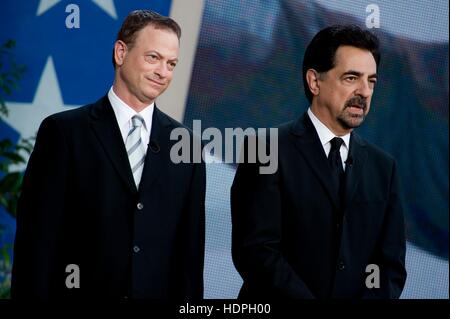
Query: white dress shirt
[[325, 136], [124, 113]]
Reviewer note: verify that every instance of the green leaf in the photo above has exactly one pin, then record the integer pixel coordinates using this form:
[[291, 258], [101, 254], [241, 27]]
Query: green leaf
[[10, 44], [12, 205], [7, 90], [5, 144], [4, 110], [3, 201], [10, 153], [14, 157], [10, 183], [4, 167]]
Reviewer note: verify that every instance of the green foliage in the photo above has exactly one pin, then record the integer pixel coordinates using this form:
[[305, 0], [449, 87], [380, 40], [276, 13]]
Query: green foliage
[[10, 77], [10, 155], [5, 272], [10, 182]]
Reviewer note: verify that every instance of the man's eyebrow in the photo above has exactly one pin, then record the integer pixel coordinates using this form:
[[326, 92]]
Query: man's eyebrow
[[152, 51], [352, 72], [357, 73], [159, 55]]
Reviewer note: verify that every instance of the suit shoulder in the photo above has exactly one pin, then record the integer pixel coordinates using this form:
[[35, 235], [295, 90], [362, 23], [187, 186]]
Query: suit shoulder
[[169, 121], [70, 115], [66, 120], [376, 151], [284, 128], [281, 131]]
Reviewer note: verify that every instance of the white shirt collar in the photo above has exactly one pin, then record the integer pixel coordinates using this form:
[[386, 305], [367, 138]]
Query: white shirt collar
[[124, 113], [325, 135]]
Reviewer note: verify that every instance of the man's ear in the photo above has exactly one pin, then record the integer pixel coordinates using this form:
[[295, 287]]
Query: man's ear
[[120, 51], [312, 77]]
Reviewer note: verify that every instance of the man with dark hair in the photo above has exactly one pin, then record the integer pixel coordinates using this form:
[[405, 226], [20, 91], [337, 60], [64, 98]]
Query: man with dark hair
[[138, 19], [329, 223], [104, 212]]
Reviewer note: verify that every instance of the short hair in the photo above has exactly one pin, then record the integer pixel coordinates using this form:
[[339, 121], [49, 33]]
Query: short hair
[[139, 19], [321, 51]]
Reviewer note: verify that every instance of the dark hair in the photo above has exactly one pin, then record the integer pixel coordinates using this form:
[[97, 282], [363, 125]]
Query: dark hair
[[321, 51], [139, 19]]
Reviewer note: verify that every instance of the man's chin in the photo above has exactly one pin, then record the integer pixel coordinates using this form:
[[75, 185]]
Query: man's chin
[[352, 122], [153, 94], [150, 95]]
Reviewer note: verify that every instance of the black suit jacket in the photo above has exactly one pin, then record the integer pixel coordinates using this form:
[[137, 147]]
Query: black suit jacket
[[79, 205], [289, 237]]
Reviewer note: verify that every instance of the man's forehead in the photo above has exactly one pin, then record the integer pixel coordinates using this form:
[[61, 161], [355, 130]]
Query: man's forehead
[[162, 40], [353, 57], [154, 32]]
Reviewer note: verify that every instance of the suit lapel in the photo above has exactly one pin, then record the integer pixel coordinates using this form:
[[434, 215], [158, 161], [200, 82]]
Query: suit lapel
[[308, 144], [104, 124], [157, 150], [353, 171]]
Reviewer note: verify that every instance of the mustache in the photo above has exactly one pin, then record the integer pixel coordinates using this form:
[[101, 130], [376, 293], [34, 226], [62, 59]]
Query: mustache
[[357, 101]]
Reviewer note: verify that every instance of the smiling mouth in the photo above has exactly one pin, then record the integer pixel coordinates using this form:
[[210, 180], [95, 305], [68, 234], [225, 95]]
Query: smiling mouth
[[156, 82]]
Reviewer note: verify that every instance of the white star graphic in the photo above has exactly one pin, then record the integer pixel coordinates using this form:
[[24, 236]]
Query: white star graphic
[[105, 5], [45, 5], [26, 117]]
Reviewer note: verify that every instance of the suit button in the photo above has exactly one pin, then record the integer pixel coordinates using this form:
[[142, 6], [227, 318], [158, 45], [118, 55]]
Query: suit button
[[140, 206], [341, 265], [136, 249]]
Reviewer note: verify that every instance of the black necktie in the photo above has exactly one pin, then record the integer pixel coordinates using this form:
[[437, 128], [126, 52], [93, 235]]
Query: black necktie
[[334, 158]]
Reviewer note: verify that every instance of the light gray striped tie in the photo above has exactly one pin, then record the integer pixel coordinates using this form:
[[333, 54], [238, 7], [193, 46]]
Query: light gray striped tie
[[135, 148]]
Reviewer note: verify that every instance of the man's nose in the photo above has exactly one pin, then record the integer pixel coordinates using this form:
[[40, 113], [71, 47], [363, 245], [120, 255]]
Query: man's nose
[[162, 70], [364, 89]]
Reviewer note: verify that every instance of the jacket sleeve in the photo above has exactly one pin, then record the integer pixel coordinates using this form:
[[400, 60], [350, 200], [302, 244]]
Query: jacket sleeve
[[39, 214], [391, 247], [257, 231]]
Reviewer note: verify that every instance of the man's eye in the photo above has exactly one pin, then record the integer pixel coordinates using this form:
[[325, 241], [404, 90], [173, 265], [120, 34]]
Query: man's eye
[[171, 65], [351, 78], [152, 57]]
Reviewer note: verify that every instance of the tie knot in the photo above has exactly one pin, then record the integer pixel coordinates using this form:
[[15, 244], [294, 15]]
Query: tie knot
[[137, 121], [336, 143]]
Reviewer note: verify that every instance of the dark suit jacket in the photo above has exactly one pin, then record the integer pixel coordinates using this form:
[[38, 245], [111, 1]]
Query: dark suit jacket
[[79, 205], [289, 237]]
